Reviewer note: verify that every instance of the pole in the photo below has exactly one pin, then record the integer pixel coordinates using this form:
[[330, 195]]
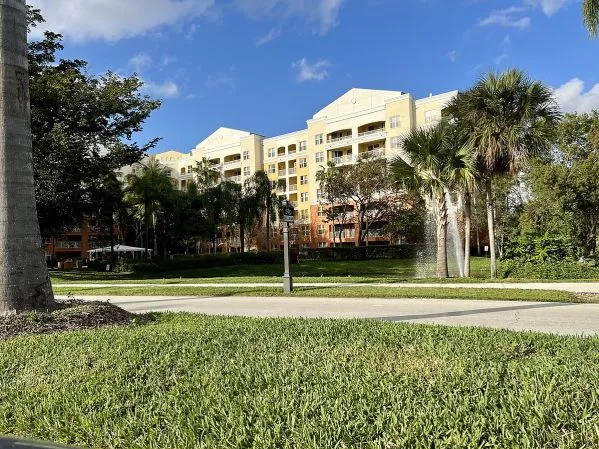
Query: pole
[[287, 279]]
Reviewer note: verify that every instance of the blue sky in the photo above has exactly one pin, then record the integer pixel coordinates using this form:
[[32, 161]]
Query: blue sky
[[268, 65]]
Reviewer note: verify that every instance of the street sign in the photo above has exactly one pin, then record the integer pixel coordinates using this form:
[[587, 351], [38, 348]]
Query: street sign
[[287, 213]]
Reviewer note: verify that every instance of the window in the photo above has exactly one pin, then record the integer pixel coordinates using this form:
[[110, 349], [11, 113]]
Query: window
[[246, 171], [304, 197], [319, 157], [323, 245], [303, 163], [303, 145], [303, 180], [319, 140], [183, 185], [273, 185], [306, 231], [321, 212], [272, 168], [271, 152], [319, 196], [189, 168], [183, 170], [395, 142], [320, 229], [304, 214], [431, 116], [246, 155], [395, 122]]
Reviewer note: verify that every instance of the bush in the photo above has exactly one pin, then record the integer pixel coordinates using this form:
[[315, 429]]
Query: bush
[[564, 269], [361, 253]]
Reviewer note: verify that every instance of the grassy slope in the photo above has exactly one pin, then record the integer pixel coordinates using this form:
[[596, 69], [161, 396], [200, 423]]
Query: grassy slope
[[199, 382], [338, 292]]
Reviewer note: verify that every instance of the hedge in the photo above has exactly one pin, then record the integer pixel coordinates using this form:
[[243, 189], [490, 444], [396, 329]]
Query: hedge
[[566, 269], [362, 252]]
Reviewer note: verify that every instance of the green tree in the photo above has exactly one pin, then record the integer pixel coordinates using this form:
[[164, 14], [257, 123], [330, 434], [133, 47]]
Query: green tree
[[333, 182], [590, 13], [83, 129], [219, 205], [512, 119], [24, 281], [268, 200], [149, 188], [433, 165]]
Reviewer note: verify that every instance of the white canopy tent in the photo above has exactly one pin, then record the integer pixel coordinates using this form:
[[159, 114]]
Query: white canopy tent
[[119, 249]]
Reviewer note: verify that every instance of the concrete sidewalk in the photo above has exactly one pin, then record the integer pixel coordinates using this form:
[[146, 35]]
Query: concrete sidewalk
[[573, 287], [558, 318]]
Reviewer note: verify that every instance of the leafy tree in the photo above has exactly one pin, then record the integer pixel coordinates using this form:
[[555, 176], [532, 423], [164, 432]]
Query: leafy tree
[[149, 188], [511, 119], [83, 129], [335, 201], [590, 13], [268, 201], [219, 206], [433, 165]]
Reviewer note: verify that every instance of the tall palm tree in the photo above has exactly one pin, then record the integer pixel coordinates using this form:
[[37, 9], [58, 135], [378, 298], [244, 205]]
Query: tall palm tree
[[268, 201], [511, 119], [432, 165], [148, 188], [24, 280], [590, 13]]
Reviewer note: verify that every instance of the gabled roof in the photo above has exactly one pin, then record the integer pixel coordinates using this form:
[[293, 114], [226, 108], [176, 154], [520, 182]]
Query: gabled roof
[[356, 100], [223, 136]]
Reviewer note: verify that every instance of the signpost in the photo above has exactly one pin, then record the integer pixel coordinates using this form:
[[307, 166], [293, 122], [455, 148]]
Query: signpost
[[286, 215]]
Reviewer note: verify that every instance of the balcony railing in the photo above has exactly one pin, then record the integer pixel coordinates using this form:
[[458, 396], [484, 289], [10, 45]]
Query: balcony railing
[[234, 178], [373, 153], [371, 132], [343, 159], [339, 139], [233, 162], [293, 188], [294, 203], [292, 171], [282, 172], [69, 245]]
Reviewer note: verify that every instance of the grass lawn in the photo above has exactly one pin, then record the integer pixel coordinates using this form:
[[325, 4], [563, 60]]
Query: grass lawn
[[337, 292], [189, 381]]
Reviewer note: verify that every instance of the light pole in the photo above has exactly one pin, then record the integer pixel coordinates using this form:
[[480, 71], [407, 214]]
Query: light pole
[[287, 217]]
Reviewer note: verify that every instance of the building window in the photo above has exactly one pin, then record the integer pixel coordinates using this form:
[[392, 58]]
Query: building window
[[395, 122], [246, 155], [272, 169], [183, 170], [273, 185], [319, 139], [303, 163], [323, 245], [320, 229], [306, 231], [183, 185], [395, 142], [303, 180], [319, 157], [319, 196], [431, 116], [321, 211], [304, 197], [271, 152], [304, 214], [303, 145], [246, 171]]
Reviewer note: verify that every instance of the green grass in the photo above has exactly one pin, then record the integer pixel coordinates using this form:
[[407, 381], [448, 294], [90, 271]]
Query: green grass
[[336, 292], [207, 382]]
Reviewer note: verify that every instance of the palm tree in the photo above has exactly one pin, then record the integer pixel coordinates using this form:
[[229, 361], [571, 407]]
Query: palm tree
[[268, 201], [206, 176], [24, 280], [510, 119], [432, 165], [148, 188], [590, 12]]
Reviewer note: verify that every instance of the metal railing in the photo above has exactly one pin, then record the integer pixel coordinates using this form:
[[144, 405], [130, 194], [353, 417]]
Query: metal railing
[[282, 172], [236, 161], [292, 171], [342, 159], [293, 188], [340, 139], [234, 178], [373, 131]]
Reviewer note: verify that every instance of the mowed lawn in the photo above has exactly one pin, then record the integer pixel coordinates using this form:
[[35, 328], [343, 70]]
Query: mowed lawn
[[364, 271], [189, 381]]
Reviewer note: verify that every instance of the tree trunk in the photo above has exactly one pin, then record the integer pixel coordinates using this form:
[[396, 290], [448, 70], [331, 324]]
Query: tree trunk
[[467, 231], [442, 269], [268, 229], [491, 225], [147, 226], [155, 234], [24, 280], [242, 237]]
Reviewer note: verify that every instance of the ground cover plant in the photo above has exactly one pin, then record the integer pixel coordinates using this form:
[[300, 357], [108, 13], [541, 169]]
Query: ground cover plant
[[189, 381]]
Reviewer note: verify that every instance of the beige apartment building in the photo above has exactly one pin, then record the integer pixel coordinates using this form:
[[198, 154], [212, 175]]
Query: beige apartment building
[[362, 121]]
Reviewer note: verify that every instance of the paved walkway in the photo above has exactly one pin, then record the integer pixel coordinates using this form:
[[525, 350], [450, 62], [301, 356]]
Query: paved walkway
[[559, 318], [574, 287]]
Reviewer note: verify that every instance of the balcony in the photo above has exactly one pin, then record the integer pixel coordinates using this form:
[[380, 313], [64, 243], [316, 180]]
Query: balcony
[[293, 188], [348, 159], [234, 178], [292, 171], [282, 172], [371, 132], [232, 162], [373, 153]]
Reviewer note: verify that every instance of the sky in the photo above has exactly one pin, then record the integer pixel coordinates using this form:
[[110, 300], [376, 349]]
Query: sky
[[267, 66]]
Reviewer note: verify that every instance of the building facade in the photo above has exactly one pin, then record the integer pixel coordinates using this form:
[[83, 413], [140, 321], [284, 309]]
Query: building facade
[[362, 121]]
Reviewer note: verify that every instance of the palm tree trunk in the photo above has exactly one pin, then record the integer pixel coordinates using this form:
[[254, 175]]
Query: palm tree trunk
[[491, 225], [267, 229], [147, 226], [242, 237], [467, 231], [442, 269], [155, 233], [24, 280]]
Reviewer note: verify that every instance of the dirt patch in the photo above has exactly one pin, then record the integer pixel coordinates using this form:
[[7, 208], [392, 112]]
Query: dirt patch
[[68, 316]]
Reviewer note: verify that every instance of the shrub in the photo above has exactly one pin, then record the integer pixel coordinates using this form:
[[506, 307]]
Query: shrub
[[361, 253], [564, 269]]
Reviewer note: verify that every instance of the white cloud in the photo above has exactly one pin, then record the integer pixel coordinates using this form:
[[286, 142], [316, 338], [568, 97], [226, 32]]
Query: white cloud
[[502, 57], [452, 55], [572, 97], [221, 80], [323, 14], [549, 7], [140, 62], [268, 37], [509, 17], [112, 20], [311, 72], [164, 90]]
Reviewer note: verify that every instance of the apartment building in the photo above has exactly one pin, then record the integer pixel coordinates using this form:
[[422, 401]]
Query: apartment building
[[361, 121]]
